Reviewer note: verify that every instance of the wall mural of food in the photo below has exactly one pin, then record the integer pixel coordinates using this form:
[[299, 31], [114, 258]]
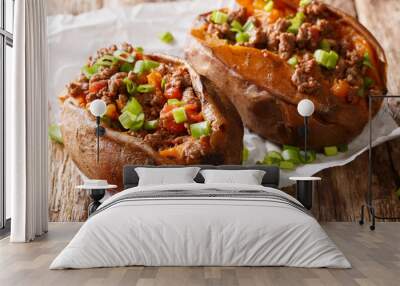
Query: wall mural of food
[[158, 112], [219, 86]]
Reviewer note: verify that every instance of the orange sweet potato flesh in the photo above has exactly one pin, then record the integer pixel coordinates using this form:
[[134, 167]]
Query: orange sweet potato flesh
[[258, 83]]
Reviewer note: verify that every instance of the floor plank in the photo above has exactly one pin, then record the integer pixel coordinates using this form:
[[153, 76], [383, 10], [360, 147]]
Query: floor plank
[[375, 257]]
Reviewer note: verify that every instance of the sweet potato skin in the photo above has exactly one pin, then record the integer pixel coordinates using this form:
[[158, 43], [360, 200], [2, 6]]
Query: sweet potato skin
[[259, 86], [118, 148]]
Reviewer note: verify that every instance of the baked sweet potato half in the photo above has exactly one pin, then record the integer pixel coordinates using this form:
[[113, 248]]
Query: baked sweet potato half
[[268, 55], [158, 112]]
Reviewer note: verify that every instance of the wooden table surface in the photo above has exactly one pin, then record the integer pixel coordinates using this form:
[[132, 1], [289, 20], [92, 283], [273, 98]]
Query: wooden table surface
[[340, 193]]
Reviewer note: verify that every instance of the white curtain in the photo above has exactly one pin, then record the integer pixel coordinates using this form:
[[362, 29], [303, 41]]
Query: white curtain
[[26, 120]]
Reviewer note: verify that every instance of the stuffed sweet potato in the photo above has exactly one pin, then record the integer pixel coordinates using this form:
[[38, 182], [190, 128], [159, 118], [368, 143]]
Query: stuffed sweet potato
[[268, 55], [158, 112]]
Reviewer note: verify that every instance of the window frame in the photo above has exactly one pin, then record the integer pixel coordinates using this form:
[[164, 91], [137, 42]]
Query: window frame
[[6, 39]]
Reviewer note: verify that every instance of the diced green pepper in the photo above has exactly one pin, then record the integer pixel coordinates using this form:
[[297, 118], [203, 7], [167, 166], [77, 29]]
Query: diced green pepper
[[130, 85], [293, 61], [311, 156], [242, 37], [200, 129], [219, 17], [245, 154], [179, 115], [133, 106], [145, 88], [150, 125], [124, 56], [55, 133], [287, 165], [291, 155], [343, 148], [167, 37], [330, 150]]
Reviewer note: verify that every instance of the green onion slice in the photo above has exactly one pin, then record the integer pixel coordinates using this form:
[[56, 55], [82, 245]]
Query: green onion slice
[[245, 154], [291, 155], [150, 125], [325, 45], [326, 59], [330, 150], [304, 3], [311, 156], [130, 85], [133, 106], [367, 61], [368, 82], [269, 6], [290, 147], [126, 67], [179, 115], [145, 66], [200, 129], [272, 158], [124, 56], [174, 101], [293, 61], [296, 22], [138, 122], [236, 26], [242, 37], [343, 148], [219, 17], [55, 133], [139, 49], [106, 60], [145, 88], [167, 37], [88, 71]]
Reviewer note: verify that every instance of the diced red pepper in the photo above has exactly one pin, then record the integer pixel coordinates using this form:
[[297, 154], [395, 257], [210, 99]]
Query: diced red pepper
[[97, 86]]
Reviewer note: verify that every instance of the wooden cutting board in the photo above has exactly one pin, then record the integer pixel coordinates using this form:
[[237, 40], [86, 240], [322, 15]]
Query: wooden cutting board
[[342, 190]]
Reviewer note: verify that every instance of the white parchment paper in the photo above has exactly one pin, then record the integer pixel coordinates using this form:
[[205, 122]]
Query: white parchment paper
[[72, 39]]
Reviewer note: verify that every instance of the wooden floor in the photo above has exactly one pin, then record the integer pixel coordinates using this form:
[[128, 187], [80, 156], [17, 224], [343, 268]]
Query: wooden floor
[[375, 257]]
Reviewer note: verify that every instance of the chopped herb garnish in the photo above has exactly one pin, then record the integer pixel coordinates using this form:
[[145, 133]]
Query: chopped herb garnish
[[296, 22], [242, 37], [167, 37], [269, 6], [293, 61], [219, 17], [326, 59], [367, 60]]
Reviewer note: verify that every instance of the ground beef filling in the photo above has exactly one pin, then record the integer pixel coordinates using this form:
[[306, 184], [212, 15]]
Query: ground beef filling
[[318, 24], [171, 81]]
